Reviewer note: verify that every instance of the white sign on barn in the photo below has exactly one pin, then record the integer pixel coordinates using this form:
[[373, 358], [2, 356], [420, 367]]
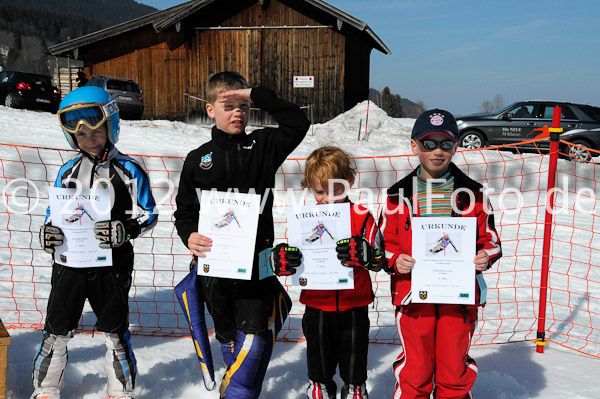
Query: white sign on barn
[[304, 81]]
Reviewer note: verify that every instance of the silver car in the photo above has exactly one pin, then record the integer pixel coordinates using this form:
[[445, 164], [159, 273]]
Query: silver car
[[125, 91]]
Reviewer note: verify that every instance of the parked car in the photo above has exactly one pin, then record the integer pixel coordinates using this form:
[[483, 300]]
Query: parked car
[[125, 91], [581, 140], [524, 120], [28, 90]]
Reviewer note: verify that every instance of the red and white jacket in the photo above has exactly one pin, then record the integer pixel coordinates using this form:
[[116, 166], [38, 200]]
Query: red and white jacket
[[362, 223], [395, 225]]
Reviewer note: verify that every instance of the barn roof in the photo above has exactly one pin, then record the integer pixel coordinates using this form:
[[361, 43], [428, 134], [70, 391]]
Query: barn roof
[[163, 19]]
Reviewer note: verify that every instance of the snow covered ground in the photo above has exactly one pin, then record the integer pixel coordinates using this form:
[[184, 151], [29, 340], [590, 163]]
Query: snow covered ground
[[168, 367]]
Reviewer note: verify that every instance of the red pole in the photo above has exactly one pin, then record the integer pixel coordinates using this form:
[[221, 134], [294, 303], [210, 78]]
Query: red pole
[[367, 119], [555, 131]]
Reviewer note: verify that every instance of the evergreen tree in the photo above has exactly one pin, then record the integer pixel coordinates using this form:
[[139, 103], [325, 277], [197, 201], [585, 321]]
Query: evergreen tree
[[18, 40], [391, 103]]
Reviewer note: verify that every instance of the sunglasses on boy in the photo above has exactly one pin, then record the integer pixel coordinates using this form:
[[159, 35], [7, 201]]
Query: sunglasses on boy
[[92, 115], [432, 144]]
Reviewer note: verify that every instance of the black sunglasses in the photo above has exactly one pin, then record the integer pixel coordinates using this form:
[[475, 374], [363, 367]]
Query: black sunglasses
[[432, 144]]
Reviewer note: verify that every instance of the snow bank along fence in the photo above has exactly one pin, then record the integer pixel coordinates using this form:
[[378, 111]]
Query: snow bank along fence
[[517, 186], [195, 111]]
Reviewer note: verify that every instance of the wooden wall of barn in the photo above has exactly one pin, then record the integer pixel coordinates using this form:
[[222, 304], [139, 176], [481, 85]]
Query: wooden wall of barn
[[155, 61], [168, 64], [272, 57]]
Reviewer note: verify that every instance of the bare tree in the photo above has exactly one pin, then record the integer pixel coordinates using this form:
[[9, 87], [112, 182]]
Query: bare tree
[[489, 106], [413, 110], [421, 107]]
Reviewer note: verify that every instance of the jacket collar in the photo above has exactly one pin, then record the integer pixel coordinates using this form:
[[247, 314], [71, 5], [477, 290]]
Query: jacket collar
[[460, 180], [226, 140], [108, 154]]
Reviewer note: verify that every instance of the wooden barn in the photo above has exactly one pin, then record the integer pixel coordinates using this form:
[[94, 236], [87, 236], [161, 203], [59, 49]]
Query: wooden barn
[[171, 53]]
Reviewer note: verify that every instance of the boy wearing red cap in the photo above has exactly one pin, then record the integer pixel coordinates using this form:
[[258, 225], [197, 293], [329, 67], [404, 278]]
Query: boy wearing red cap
[[435, 337]]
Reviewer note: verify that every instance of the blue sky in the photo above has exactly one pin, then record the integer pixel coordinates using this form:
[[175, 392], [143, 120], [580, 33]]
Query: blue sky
[[456, 54]]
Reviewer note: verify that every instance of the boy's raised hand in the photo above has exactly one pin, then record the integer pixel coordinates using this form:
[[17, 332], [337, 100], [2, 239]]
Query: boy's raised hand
[[357, 252], [482, 261], [198, 244], [233, 95], [285, 259]]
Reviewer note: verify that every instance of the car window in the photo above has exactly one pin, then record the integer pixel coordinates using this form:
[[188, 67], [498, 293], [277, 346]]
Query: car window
[[38, 80], [592, 112], [45, 81], [567, 113], [121, 85], [547, 111], [522, 111], [7, 76]]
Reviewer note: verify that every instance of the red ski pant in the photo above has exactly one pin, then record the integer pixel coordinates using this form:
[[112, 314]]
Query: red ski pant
[[435, 345]]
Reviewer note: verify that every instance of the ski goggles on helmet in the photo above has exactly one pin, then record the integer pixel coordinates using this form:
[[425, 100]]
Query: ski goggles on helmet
[[92, 115]]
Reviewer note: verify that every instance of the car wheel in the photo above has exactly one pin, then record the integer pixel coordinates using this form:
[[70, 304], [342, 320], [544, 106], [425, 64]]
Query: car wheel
[[578, 153], [472, 139], [9, 101]]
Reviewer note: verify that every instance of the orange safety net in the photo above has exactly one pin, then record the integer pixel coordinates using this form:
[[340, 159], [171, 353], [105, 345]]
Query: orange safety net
[[516, 179]]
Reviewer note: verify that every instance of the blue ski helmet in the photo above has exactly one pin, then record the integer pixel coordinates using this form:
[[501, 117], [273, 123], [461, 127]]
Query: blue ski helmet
[[90, 106]]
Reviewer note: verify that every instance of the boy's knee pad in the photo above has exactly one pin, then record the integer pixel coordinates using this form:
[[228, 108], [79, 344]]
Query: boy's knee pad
[[50, 361], [119, 363], [239, 379]]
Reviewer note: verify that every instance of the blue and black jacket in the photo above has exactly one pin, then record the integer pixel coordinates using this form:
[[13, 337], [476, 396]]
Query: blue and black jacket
[[131, 187]]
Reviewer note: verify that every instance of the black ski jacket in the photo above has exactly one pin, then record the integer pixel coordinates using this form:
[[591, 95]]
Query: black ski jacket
[[244, 161]]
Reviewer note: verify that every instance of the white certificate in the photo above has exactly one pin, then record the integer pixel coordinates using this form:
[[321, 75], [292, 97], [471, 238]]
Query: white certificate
[[315, 230], [230, 219], [444, 249], [75, 211]]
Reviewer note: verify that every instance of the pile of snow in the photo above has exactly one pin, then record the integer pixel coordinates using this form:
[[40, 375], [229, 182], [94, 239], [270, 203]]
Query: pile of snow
[[386, 136], [382, 134]]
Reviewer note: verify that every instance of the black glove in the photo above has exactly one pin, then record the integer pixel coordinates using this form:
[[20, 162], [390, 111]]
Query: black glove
[[357, 252], [285, 259], [114, 233], [50, 237]]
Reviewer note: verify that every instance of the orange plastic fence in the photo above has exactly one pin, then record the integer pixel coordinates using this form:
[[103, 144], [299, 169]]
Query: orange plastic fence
[[516, 182]]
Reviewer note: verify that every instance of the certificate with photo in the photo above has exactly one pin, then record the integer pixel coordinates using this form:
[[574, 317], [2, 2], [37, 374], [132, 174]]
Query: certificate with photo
[[75, 212], [230, 219], [443, 249], [315, 230]]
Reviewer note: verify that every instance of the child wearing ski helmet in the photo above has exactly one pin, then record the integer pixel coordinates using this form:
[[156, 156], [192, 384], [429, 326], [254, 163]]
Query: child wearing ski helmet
[[336, 322], [435, 337], [89, 118]]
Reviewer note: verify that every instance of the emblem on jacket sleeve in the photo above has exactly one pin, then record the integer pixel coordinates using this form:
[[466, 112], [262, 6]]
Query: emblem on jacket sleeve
[[206, 162], [423, 295]]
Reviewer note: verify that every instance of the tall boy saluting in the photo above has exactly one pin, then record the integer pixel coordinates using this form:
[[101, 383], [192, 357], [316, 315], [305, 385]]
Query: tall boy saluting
[[235, 159], [435, 337]]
